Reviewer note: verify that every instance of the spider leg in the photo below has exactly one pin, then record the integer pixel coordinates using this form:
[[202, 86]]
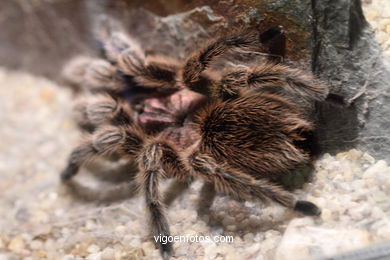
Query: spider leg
[[107, 109], [159, 222], [206, 199], [159, 160], [123, 58], [117, 192], [175, 189], [124, 51], [113, 39], [96, 75], [275, 39], [99, 75], [110, 139], [241, 185], [230, 85], [151, 172], [152, 71], [274, 78], [81, 116], [75, 69], [199, 61], [102, 109]]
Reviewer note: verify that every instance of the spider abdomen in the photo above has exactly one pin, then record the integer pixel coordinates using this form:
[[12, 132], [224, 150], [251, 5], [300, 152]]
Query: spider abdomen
[[257, 134]]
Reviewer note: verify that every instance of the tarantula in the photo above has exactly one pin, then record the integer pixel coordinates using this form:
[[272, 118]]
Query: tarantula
[[237, 129]]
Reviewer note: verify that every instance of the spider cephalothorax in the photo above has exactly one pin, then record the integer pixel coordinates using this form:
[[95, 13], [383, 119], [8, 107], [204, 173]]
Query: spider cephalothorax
[[237, 129]]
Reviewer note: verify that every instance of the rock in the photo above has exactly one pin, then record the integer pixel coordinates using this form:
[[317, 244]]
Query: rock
[[93, 249], [228, 220], [9, 256], [231, 228], [94, 256], [36, 244], [81, 250], [248, 237], [2, 243], [108, 253], [68, 257], [303, 241], [17, 244], [120, 231], [375, 169]]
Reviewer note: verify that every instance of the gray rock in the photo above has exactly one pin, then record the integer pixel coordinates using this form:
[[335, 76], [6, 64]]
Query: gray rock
[[347, 54]]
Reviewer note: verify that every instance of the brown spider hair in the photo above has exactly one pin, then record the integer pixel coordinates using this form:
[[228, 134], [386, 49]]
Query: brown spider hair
[[238, 134]]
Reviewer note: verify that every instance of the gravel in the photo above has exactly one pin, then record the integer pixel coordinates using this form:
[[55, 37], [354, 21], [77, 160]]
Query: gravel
[[377, 13], [40, 219]]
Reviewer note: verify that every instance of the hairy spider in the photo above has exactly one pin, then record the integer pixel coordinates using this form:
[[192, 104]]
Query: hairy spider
[[236, 128]]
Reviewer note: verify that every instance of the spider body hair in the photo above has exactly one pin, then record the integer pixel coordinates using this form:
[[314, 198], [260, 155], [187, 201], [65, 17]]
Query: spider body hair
[[256, 134]]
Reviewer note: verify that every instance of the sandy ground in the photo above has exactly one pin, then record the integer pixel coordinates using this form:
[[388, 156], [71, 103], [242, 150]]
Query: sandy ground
[[39, 219]]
